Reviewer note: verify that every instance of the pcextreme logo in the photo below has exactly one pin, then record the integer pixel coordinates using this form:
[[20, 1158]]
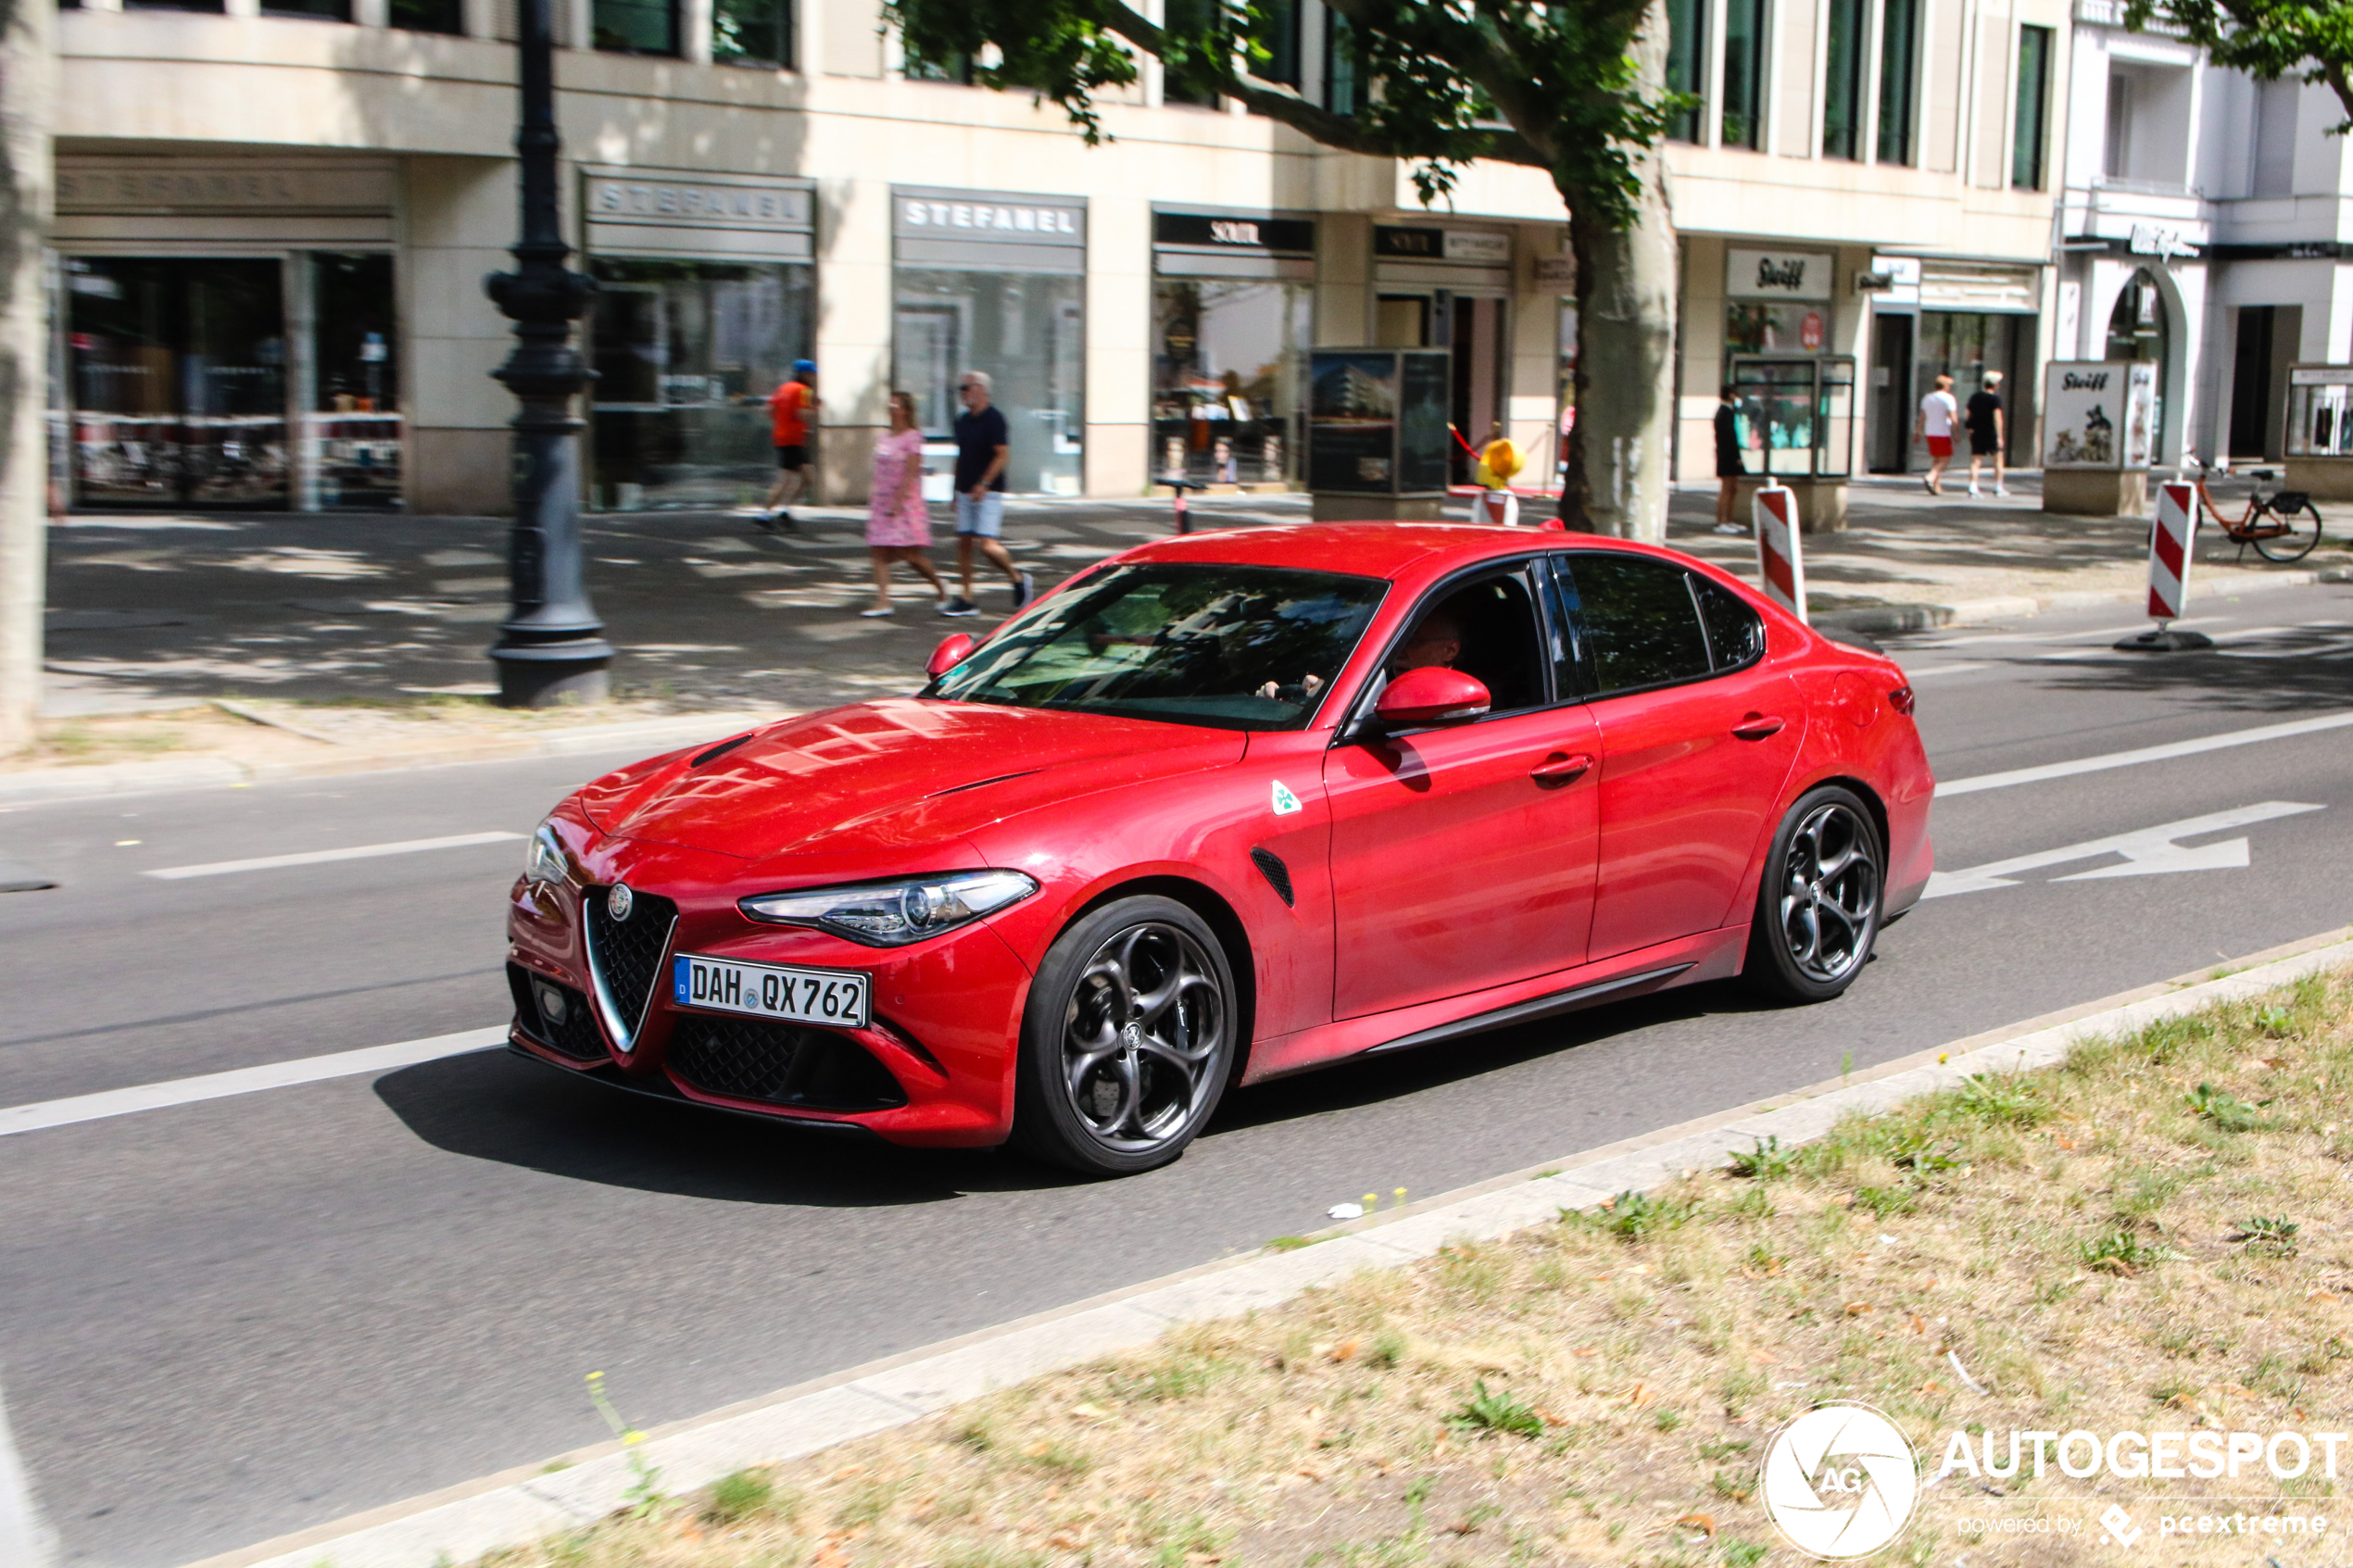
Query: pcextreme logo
[[1840, 1481]]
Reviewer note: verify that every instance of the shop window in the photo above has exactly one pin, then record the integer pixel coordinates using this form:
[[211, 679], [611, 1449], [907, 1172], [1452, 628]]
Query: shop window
[[635, 27], [213, 7], [1226, 357], [1178, 86], [324, 10], [1027, 331], [1899, 49], [1343, 71], [686, 354], [352, 434], [1842, 78], [2139, 328], [1687, 64], [753, 32], [427, 16], [2030, 130], [1745, 45]]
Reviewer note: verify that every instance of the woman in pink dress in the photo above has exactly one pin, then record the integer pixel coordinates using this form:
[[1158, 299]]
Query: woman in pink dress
[[897, 525]]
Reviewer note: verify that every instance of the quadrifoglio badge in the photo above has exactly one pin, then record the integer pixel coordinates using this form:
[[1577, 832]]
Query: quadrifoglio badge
[[1841, 1481]]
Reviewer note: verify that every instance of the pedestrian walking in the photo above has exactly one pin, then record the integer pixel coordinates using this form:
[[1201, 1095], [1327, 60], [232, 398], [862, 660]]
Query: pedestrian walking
[[1988, 431], [983, 447], [789, 408], [897, 523], [1730, 464], [1939, 413]]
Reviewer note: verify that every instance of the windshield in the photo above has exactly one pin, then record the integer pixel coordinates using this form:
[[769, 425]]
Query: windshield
[[1239, 647]]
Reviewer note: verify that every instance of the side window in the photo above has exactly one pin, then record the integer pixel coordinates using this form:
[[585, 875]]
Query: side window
[[1735, 633], [1489, 630], [1641, 626]]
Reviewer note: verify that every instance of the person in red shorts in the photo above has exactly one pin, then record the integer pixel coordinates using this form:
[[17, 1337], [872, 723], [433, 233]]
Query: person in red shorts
[[1940, 412], [789, 407]]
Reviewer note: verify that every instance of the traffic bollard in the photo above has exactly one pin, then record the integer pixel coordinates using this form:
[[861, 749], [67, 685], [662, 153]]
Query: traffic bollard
[[1781, 560], [2173, 545]]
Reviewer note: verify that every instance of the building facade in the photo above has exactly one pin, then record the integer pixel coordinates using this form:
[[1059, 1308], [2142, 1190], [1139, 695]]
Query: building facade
[[2205, 230], [274, 220]]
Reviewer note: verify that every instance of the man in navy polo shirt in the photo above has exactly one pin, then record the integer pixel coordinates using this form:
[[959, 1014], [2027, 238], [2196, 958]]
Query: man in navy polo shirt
[[983, 447]]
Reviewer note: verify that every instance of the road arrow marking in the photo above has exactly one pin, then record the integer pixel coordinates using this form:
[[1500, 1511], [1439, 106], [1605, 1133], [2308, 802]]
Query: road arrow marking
[[2147, 851]]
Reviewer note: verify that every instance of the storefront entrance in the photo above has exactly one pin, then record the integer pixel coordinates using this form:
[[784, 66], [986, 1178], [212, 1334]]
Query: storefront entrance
[[177, 375]]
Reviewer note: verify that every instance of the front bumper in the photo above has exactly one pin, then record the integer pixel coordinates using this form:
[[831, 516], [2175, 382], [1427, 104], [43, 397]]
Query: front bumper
[[934, 1068]]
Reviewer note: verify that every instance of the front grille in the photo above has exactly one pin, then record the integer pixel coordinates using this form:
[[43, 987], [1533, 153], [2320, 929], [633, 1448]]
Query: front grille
[[626, 955], [570, 1031], [778, 1065]]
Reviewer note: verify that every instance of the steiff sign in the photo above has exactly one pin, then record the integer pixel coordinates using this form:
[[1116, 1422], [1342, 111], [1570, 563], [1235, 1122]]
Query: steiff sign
[[1778, 274]]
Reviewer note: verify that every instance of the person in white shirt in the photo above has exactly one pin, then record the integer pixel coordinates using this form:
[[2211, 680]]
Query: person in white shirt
[[1940, 411]]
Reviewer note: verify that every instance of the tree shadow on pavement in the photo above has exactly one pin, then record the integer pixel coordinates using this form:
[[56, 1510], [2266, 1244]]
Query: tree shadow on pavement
[[2313, 673]]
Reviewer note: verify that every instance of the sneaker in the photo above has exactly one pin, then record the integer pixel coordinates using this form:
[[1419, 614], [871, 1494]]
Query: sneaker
[[783, 518], [1024, 590], [959, 606], [764, 522], [876, 614], [2001, 489], [1972, 490]]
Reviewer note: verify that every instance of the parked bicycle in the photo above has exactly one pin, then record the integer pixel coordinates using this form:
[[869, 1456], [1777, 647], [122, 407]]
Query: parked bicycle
[[2282, 526]]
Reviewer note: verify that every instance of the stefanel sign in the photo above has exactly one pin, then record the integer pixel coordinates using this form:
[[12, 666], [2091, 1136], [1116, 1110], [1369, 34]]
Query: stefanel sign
[[1778, 274]]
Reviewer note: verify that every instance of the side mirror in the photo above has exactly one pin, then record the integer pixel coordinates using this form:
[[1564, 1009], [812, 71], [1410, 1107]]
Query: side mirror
[[1431, 695], [953, 649]]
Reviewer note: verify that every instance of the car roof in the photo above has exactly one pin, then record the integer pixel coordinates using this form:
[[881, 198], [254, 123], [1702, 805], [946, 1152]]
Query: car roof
[[1368, 549]]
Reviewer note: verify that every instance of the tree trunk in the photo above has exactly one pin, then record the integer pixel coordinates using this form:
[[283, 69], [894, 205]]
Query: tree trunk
[[27, 75], [1625, 294]]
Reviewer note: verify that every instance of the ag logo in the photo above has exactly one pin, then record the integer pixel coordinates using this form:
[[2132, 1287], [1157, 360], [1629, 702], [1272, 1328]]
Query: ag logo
[[1840, 1481]]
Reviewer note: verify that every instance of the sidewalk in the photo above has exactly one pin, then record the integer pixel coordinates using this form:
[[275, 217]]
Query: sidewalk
[[279, 643]]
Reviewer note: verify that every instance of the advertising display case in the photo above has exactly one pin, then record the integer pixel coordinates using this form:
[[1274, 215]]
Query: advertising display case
[[2099, 418], [2320, 431], [1796, 421], [1376, 431]]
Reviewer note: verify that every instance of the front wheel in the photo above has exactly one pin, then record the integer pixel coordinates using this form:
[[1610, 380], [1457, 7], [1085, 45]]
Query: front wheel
[[1128, 1040], [2298, 531], [1818, 903]]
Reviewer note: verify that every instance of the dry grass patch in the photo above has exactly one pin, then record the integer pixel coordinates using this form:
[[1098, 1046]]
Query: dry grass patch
[[2153, 1234]]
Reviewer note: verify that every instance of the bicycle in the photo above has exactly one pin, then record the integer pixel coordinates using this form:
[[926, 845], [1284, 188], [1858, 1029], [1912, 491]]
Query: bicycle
[[2282, 526]]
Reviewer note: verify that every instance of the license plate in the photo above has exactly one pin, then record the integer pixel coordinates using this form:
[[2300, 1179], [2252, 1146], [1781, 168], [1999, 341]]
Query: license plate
[[831, 996]]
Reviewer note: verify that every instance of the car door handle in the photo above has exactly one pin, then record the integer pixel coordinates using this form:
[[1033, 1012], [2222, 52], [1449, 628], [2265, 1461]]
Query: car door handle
[[1558, 769], [1756, 726]]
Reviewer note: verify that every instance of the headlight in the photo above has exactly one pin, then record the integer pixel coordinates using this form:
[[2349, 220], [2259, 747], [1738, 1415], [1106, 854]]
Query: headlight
[[546, 861], [891, 914]]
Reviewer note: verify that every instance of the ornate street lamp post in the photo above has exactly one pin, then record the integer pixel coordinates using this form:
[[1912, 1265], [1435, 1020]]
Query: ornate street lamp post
[[551, 647]]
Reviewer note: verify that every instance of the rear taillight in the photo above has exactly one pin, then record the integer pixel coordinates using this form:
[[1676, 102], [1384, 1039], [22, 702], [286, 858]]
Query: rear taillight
[[1900, 699]]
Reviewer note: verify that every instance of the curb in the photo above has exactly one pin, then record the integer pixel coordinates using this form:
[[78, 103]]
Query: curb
[[220, 773], [1970, 613], [526, 1504]]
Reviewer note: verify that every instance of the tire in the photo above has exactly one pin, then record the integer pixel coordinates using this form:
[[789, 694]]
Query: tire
[[1814, 928], [1127, 1041], [2303, 527]]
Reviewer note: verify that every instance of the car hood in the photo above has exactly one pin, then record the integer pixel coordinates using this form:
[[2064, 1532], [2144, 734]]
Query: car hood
[[897, 773]]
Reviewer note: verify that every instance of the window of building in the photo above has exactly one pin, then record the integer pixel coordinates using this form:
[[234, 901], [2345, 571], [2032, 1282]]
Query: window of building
[[427, 16], [2115, 155], [1899, 49], [956, 67], [1744, 44], [635, 27], [1280, 39], [2275, 114], [1849, 31], [1226, 378], [1188, 17], [1341, 69], [216, 7], [1028, 330], [2030, 131], [1687, 63], [324, 10], [753, 32], [352, 434]]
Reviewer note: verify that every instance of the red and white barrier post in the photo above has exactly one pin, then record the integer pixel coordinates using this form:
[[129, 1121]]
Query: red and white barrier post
[[2173, 545], [1500, 507], [1780, 561]]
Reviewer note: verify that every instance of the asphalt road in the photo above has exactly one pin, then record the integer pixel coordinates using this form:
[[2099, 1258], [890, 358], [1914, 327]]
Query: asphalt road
[[232, 1319]]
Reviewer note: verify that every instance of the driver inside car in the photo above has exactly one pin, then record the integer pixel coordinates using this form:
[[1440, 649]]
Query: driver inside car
[[1435, 644]]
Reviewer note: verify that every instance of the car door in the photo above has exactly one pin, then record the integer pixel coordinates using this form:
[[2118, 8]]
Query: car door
[[1462, 855], [1697, 736]]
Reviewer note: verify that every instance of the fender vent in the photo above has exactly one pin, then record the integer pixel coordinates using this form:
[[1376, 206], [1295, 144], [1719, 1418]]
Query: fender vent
[[1270, 866]]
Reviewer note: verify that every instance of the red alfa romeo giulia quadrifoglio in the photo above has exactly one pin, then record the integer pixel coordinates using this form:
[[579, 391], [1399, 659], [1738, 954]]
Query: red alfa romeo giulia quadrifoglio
[[1224, 808]]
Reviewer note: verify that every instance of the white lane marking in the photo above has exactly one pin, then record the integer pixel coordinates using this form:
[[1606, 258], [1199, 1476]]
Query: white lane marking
[[23, 1538], [2145, 754], [242, 1081], [320, 857], [2147, 851], [1922, 672]]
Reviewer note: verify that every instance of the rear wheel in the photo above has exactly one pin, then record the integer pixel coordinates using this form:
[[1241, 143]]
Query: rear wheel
[[1128, 1040], [1818, 903], [2299, 530]]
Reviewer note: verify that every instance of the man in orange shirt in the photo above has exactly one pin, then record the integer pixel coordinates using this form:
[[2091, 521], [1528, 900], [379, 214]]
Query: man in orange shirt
[[790, 406]]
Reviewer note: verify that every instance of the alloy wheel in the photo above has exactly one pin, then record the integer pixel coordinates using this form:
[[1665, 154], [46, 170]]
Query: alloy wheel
[[1144, 1037], [1829, 893]]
